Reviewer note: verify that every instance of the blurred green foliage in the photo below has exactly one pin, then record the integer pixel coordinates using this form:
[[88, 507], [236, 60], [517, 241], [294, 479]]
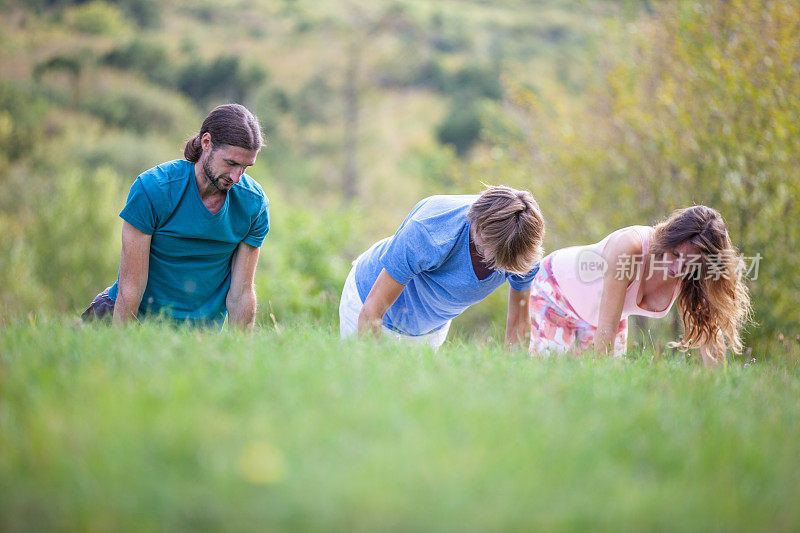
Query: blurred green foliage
[[21, 117], [223, 78], [311, 103], [142, 55], [461, 128], [698, 105], [22, 292], [476, 81], [73, 240], [92, 13], [138, 109], [304, 262], [146, 13], [611, 113], [96, 17]]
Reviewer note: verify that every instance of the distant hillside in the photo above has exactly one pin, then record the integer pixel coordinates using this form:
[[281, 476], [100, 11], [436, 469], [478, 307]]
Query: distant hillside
[[401, 90]]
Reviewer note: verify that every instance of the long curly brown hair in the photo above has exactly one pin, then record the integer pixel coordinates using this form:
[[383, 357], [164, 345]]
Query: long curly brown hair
[[714, 301]]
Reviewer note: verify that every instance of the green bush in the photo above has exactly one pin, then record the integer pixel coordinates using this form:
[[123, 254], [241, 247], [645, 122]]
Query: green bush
[[143, 56], [314, 102], [75, 242], [304, 262], [131, 153], [270, 107], [435, 166], [469, 82], [461, 128], [698, 106], [21, 114], [224, 77], [146, 13], [431, 75], [138, 108], [447, 36], [476, 81], [97, 17], [70, 64], [21, 291]]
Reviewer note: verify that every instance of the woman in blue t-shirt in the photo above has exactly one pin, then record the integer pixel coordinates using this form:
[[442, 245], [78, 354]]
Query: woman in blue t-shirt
[[449, 253]]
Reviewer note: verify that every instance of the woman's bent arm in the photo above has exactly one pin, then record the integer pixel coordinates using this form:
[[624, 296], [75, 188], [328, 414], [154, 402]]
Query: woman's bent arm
[[615, 285]]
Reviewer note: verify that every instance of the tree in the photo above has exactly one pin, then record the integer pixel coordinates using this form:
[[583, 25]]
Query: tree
[[701, 107], [362, 26]]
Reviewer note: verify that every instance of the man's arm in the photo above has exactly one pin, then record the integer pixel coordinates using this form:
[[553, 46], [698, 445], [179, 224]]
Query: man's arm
[[383, 294], [133, 268], [518, 321], [241, 299]]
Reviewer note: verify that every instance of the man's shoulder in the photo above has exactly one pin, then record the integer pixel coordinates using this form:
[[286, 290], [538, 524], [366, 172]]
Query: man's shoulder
[[250, 190], [436, 210], [166, 174], [446, 205], [442, 217]]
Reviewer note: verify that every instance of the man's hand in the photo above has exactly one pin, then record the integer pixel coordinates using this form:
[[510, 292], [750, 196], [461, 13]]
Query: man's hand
[[383, 294], [518, 320], [133, 269], [241, 299]]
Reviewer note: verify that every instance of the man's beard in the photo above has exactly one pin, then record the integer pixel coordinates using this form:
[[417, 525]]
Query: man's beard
[[210, 175]]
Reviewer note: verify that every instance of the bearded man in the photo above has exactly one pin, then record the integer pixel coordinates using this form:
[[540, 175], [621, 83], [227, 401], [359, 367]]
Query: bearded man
[[192, 232]]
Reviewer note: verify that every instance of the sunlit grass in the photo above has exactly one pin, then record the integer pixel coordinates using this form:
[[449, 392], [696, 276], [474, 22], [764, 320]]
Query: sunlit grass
[[151, 427]]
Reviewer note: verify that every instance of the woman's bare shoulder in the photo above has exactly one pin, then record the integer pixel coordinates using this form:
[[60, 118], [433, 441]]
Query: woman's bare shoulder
[[625, 242]]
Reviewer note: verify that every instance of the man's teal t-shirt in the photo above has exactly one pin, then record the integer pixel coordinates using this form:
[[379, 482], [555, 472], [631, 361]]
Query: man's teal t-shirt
[[191, 248]]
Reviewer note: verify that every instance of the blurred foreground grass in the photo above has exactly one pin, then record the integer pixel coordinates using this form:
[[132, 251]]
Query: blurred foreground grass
[[152, 428]]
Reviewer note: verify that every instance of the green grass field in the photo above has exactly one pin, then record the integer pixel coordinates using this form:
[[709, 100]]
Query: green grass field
[[150, 428]]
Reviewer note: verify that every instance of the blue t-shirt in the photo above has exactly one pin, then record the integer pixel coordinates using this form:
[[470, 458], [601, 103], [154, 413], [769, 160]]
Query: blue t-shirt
[[429, 254], [191, 248]]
